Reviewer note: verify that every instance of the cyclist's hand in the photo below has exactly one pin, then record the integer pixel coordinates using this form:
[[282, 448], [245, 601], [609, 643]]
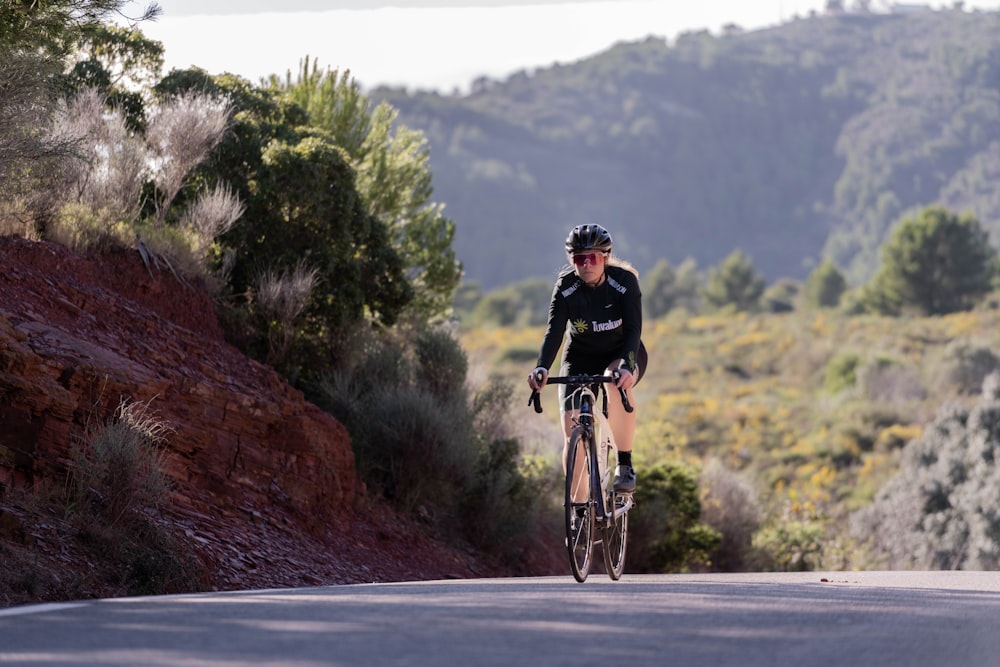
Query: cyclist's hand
[[625, 379], [537, 378]]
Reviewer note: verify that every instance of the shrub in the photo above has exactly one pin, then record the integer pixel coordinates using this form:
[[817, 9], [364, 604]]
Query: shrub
[[729, 505], [280, 299], [118, 471], [424, 444], [117, 486], [841, 372], [417, 450], [511, 499], [789, 545], [441, 362], [887, 381], [781, 296], [940, 511], [518, 354], [966, 365], [665, 534]]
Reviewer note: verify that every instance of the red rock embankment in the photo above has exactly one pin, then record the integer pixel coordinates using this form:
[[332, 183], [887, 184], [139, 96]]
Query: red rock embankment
[[78, 336], [265, 488]]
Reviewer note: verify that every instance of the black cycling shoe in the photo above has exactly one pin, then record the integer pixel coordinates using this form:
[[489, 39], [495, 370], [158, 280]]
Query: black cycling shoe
[[624, 479]]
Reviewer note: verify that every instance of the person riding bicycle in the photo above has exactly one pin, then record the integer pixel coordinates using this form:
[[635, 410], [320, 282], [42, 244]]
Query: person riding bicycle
[[597, 304]]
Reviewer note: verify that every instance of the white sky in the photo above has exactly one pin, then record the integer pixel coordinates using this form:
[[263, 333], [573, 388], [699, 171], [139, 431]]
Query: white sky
[[441, 48]]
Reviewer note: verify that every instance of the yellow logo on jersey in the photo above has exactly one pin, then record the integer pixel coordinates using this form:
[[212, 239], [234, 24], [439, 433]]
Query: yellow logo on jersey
[[581, 326]]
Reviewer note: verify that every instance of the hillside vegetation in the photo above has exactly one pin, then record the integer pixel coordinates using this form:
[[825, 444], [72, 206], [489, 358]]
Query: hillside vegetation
[[778, 416], [799, 143], [795, 421]]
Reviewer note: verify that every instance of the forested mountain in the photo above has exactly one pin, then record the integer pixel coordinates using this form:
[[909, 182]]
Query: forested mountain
[[804, 141]]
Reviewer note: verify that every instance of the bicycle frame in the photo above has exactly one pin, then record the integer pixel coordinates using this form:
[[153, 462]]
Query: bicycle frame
[[592, 504], [590, 419]]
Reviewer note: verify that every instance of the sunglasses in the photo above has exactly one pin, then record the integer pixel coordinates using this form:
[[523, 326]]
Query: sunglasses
[[583, 258]]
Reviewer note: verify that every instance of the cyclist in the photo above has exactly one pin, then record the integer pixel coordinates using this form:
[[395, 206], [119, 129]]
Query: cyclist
[[596, 303]]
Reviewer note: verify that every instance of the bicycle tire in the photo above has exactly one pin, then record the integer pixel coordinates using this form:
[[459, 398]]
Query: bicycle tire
[[615, 539], [579, 505]]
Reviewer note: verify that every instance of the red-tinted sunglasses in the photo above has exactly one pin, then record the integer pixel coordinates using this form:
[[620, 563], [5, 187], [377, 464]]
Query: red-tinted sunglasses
[[582, 259]]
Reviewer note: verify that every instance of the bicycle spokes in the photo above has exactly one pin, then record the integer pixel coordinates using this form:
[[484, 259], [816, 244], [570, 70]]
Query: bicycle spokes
[[615, 536], [579, 505]]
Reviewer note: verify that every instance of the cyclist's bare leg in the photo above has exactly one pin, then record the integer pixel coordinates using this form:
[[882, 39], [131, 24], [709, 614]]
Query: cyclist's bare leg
[[622, 423], [568, 419]]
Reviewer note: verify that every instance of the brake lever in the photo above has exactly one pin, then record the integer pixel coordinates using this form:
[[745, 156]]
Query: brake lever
[[535, 398]]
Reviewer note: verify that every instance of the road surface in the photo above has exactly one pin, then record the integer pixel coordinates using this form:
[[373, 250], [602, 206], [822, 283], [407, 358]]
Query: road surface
[[813, 619]]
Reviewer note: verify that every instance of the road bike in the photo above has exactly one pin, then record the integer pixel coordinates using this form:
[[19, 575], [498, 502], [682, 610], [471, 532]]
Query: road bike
[[595, 512]]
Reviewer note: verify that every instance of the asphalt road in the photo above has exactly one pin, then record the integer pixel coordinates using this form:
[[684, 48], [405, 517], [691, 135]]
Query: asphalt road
[[809, 619]]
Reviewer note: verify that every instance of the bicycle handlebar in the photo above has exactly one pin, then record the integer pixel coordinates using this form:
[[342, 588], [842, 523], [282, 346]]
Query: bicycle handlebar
[[577, 381]]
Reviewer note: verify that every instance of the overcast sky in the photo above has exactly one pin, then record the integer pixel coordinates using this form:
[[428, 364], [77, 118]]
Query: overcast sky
[[188, 7], [436, 44]]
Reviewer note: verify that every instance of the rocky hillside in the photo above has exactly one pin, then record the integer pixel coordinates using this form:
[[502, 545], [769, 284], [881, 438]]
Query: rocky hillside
[[264, 490]]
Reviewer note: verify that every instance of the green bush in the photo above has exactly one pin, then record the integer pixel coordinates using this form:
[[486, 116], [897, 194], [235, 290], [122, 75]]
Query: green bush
[[417, 450], [841, 372], [789, 546], [512, 499], [441, 362], [825, 286], [422, 442], [665, 533]]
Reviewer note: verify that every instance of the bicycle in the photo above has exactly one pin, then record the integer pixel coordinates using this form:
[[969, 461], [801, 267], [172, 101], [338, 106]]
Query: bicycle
[[591, 501]]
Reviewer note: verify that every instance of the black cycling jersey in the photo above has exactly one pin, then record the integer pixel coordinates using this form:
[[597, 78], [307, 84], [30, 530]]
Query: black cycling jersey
[[601, 324]]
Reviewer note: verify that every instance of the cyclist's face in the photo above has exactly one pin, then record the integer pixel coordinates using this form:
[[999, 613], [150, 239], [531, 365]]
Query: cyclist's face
[[589, 264]]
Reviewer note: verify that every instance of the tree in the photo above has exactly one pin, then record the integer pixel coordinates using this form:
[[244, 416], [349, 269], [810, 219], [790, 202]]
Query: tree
[[659, 290], [687, 286], [781, 296], [734, 283], [317, 215], [303, 213], [35, 40], [24, 109], [393, 178], [55, 27], [119, 62], [525, 303], [936, 262], [825, 285]]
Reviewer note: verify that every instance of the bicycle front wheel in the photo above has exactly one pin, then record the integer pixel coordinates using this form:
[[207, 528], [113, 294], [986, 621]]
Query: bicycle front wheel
[[579, 505], [615, 539]]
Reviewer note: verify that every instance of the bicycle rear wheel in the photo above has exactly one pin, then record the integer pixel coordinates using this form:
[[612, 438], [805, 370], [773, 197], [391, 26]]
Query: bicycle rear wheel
[[616, 539], [579, 507]]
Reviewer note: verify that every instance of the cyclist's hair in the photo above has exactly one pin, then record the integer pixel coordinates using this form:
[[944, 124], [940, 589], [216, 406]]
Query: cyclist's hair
[[615, 260]]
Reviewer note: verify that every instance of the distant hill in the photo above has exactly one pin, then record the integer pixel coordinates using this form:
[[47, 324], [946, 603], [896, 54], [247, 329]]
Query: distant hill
[[794, 143]]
